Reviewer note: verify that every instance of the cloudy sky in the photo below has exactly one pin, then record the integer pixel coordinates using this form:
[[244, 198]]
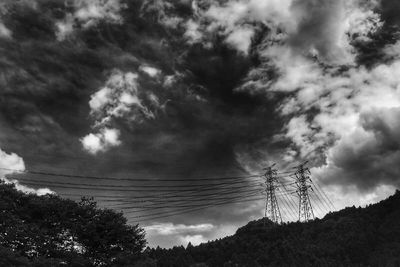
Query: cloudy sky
[[206, 88]]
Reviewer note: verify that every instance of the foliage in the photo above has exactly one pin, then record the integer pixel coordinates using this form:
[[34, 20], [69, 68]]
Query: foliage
[[351, 237], [50, 231], [36, 229]]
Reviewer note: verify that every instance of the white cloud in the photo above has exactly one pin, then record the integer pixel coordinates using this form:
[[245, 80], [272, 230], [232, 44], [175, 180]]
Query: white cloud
[[296, 71], [12, 163], [100, 99], [102, 141], [89, 13], [65, 27], [362, 23], [234, 20], [308, 59], [92, 143], [329, 111], [302, 135], [367, 156], [329, 97], [393, 50], [29, 190], [349, 196], [111, 136], [170, 234], [151, 71], [324, 28], [170, 228], [4, 31], [120, 98], [241, 39], [232, 13], [159, 10], [193, 33], [342, 102]]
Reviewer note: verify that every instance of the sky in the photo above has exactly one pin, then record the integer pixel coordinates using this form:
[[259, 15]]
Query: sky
[[201, 88]]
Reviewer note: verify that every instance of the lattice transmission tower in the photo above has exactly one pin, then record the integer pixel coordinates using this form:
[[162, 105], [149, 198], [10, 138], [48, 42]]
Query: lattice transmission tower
[[272, 211], [303, 183]]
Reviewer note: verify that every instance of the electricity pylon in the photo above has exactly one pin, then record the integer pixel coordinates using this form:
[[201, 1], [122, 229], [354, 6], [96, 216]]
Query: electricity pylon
[[272, 211], [303, 186]]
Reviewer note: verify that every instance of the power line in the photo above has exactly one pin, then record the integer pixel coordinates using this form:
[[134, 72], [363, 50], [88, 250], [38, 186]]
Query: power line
[[128, 179], [316, 186], [214, 192], [288, 209], [191, 199], [284, 198], [159, 196], [320, 199], [219, 192], [289, 199], [127, 186], [136, 209], [316, 203], [116, 188], [196, 196], [184, 211]]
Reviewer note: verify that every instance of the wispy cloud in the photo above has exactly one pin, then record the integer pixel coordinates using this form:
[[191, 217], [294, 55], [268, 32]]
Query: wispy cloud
[[121, 98]]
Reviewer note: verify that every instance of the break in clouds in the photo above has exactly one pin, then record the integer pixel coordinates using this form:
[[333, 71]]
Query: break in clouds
[[207, 86]]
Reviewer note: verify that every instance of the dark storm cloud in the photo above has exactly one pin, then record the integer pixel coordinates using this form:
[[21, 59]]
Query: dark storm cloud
[[44, 78], [207, 121], [47, 84], [389, 10]]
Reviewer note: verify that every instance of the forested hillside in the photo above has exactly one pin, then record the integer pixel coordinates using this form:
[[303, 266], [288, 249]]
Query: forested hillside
[[351, 237], [51, 231]]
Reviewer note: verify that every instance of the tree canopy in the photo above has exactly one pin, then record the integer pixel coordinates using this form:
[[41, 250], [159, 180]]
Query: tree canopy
[[51, 231]]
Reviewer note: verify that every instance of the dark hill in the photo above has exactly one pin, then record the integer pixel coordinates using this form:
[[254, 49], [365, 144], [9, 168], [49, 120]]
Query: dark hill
[[351, 237]]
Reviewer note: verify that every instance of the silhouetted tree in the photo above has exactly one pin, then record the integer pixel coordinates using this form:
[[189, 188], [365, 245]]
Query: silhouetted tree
[[70, 233]]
